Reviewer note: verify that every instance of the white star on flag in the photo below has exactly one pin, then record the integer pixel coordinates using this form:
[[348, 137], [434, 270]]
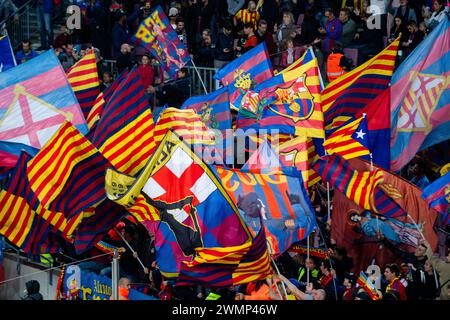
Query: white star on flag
[[360, 134]]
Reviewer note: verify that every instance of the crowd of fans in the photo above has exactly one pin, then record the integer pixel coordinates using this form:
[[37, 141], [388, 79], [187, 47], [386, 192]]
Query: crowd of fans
[[216, 32]]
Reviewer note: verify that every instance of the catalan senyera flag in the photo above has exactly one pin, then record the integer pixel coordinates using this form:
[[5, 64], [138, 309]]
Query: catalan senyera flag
[[24, 221], [349, 141], [368, 286], [294, 153], [357, 186], [155, 33], [242, 74], [185, 123], [228, 266], [194, 208], [420, 98], [102, 99], [68, 173], [343, 98], [289, 102], [124, 133], [437, 194], [313, 156], [83, 77], [143, 211]]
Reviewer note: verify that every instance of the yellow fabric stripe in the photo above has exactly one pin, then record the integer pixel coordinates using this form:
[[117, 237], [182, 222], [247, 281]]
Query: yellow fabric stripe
[[7, 210], [22, 216], [85, 87]]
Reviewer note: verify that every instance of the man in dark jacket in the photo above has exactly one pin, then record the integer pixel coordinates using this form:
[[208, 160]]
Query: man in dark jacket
[[32, 288], [224, 46], [120, 33]]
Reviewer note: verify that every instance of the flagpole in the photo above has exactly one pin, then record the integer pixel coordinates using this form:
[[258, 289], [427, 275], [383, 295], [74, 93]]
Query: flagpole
[[307, 258], [198, 73], [328, 201], [129, 246], [417, 227], [282, 283]]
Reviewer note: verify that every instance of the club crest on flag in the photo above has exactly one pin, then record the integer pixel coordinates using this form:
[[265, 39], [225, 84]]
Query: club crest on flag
[[30, 120], [420, 102], [208, 118]]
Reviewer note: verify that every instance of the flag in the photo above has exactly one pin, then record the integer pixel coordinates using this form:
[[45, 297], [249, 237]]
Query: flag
[[400, 231], [368, 286], [356, 185], [36, 99], [279, 198], [343, 98], [156, 34], [350, 140], [385, 205], [83, 77], [213, 108], [243, 73], [289, 102], [230, 266], [294, 153], [194, 208], [68, 173], [437, 194], [124, 133], [185, 123], [24, 221], [10, 153], [7, 58], [305, 58], [263, 160], [420, 99], [102, 99]]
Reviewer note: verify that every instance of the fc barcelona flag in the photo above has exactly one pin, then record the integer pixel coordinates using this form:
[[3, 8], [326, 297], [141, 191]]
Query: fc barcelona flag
[[195, 210], [242, 74], [289, 102], [437, 194], [35, 100], [281, 201], [156, 34], [7, 58], [420, 98]]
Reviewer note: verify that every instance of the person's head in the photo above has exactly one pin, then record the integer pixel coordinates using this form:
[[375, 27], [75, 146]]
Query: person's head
[[248, 28], [227, 27], [288, 18], [129, 232], [251, 6], [412, 27], [310, 264], [125, 48], [206, 34], [325, 267], [318, 294], [403, 3], [329, 13], [349, 280], [69, 49], [288, 44], [122, 18], [344, 15], [418, 167], [337, 48], [180, 24], [438, 4], [423, 27], [26, 46], [182, 73], [427, 267], [262, 26], [391, 271], [125, 283], [340, 253], [107, 77], [420, 250], [145, 60], [32, 287], [398, 21]]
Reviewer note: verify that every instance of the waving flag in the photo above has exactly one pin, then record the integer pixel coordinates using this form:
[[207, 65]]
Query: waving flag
[[357, 186], [349, 141], [368, 286], [420, 102], [213, 108], [35, 100], [7, 58], [289, 102], [156, 34], [68, 173], [195, 211], [279, 198], [437, 194], [124, 133], [224, 267], [242, 74], [344, 98], [83, 77]]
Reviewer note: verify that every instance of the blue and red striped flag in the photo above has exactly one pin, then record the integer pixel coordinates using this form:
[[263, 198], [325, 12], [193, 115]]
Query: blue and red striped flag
[[124, 133], [243, 73], [228, 266], [386, 206], [213, 108], [83, 77], [156, 34], [437, 194]]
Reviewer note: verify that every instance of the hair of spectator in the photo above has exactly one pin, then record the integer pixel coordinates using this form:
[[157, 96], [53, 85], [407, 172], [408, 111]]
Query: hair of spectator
[[394, 269]]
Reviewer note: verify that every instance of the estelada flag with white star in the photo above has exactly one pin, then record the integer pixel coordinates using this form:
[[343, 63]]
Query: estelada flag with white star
[[35, 100], [350, 141], [420, 98]]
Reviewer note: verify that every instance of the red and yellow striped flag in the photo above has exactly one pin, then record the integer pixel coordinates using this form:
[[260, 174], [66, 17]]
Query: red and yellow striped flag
[[83, 77]]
